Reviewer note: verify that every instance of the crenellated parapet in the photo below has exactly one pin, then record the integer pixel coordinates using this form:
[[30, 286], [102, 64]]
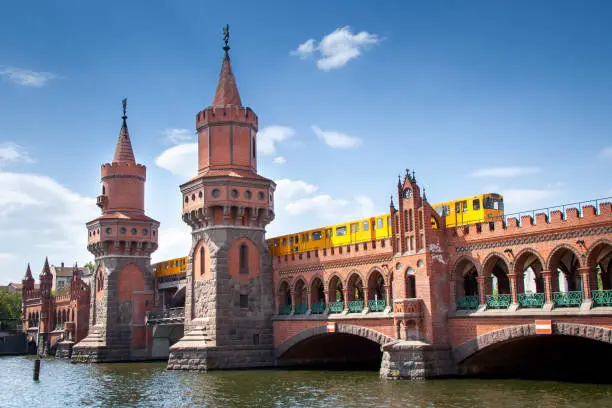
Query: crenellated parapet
[[239, 115], [123, 169]]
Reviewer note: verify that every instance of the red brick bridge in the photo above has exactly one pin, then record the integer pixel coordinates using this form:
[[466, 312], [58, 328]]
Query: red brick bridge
[[475, 299]]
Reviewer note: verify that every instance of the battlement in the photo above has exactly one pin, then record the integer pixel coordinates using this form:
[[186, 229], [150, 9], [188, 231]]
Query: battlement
[[31, 294], [215, 114], [129, 169], [63, 298], [537, 221], [337, 253]]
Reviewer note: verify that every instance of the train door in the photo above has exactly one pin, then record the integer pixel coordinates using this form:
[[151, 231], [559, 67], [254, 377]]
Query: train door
[[458, 213]]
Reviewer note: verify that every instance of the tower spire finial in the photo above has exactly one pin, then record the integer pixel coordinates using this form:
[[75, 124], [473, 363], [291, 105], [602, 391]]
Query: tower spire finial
[[124, 117], [226, 48], [123, 150]]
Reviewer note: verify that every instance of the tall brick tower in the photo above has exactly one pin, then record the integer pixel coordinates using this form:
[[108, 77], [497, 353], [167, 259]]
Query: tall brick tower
[[122, 240], [229, 294], [46, 309]]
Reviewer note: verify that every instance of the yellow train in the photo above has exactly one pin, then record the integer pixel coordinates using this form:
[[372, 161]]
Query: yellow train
[[169, 267], [467, 210]]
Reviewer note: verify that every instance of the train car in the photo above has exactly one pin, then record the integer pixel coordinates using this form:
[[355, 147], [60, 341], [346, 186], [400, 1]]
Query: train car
[[470, 210], [467, 210], [170, 267], [365, 229]]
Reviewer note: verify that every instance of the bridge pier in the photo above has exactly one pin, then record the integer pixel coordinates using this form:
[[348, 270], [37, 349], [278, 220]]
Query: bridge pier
[[416, 360]]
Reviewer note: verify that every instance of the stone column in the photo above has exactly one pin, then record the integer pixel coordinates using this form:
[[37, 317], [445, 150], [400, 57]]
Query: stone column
[[308, 300], [345, 292], [389, 292], [586, 282], [366, 298], [548, 292], [326, 294], [513, 291], [482, 280], [292, 292]]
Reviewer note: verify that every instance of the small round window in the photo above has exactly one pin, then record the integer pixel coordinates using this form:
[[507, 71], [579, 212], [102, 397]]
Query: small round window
[[109, 230], [234, 193], [216, 193], [260, 195], [134, 231], [193, 197], [123, 230], [200, 194], [145, 231], [186, 199], [247, 195]]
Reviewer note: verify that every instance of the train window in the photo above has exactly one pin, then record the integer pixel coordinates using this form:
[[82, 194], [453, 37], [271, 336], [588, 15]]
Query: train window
[[340, 231], [457, 207], [488, 203], [290, 241], [316, 235], [284, 241], [276, 244], [365, 225], [501, 203], [380, 223], [443, 210], [476, 204], [297, 239], [354, 228], [465, 208]]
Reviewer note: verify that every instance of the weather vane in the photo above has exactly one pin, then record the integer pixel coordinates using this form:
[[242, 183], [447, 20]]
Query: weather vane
[[226, 37], [124, 102]]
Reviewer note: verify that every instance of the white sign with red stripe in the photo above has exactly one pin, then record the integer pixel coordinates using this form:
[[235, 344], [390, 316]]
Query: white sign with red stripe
[[543, 326], [331, 327]]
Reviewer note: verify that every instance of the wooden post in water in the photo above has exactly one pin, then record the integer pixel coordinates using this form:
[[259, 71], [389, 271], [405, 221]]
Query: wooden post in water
[[36, 369]]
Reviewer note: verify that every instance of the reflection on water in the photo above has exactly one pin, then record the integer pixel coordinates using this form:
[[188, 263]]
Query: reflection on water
[[149, 385]]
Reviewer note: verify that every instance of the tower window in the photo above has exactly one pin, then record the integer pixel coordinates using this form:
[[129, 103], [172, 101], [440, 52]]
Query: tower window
[[244, 259], [202, 262], [244, 301], [103, 190], [253, 147], [216, 193], [256, 339], [234, 193]]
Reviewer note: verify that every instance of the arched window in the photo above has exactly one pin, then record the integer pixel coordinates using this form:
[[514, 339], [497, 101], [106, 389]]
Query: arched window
[[202, 262], [244, 259], [410, 224], [410, 284]]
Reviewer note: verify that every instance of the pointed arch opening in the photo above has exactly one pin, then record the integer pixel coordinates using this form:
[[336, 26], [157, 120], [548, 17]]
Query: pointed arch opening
[[301, 299], [336, 295], [410, 288], [317, 296], [377, 298], [284, 298], [566, 282], [467, 291], [497, 290], [355, 301], [528, 269], [599, 262]]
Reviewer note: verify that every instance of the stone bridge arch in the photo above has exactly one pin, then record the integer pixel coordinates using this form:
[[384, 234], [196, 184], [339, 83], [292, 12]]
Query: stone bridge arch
[[469, 348], [360, 331]]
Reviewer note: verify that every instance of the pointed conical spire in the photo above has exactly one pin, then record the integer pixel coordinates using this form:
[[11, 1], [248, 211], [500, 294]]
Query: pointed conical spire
[[227, 91], [123, 151], [46, 270], [391, 205], [424, 195], [28, 274]]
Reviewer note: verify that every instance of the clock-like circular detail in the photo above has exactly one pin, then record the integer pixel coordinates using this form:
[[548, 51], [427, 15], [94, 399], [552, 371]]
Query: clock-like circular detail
[[234, 193], [145, 231], [123, 230], [260, 195], [109, 230], [134, 231], [407, 193], [247, 195], [216, 193]]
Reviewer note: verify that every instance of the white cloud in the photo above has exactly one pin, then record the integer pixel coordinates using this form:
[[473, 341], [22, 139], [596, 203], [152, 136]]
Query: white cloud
[[279, 160], [270, 136], [335, 139], [26, 77], [178, 136], [337, 48], [11, 152], [287, 190], [330, 209], [40, 217], [606, 153], [516, 200], [505, 172], [174, 242], [181, 159]]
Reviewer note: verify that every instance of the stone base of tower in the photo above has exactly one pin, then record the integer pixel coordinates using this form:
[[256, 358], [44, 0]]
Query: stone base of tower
[[195, 352], [416, 360], [95, 349], [64, 349]]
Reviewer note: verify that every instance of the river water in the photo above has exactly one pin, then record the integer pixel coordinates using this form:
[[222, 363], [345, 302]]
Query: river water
[[63, 384]]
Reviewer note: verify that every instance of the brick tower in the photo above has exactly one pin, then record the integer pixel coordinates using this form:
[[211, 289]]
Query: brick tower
[[229, 294], [122, 240]]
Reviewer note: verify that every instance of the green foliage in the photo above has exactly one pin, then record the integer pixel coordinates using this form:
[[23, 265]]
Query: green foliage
[[10, 305]]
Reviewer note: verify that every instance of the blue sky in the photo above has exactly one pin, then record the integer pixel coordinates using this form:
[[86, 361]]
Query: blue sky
[[513, 97]]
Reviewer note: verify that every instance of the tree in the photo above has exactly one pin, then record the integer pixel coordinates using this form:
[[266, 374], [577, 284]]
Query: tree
[[10, 308]]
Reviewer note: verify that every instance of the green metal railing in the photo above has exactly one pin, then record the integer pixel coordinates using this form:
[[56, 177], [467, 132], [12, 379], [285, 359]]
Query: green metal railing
[[317, 308], [567, 299], [284, 309], [377, 305], [300, 309], [531, 300], [602, 297], [355, 306], [467, 302], [336, 307], [499, 301]]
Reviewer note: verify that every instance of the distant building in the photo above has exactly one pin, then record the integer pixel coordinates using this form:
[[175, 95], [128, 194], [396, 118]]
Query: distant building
[[16, 287], [62, 276]]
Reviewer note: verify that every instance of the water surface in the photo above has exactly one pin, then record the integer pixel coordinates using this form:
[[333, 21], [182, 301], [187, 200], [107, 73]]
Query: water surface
[[149, 385]]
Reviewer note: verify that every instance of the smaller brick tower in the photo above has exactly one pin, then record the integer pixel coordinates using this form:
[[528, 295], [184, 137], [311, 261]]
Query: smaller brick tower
[[229, 294], [122, 240], [46, 309]]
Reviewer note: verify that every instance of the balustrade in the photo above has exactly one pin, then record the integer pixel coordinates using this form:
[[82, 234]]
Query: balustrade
[[355, 306], [468, 302], [317, 308], [300, 309], [408, 307], [284, 309], [377, 305], [531, 300], [602, 297], [499, 301], [567, 299], [336, 307]]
